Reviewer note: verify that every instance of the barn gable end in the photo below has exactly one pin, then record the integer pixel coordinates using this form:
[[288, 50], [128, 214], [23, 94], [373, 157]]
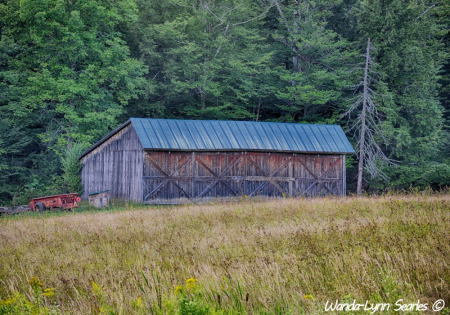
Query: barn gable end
[[114, 164]]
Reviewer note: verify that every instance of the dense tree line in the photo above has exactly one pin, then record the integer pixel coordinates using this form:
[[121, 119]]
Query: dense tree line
[[72, 70]]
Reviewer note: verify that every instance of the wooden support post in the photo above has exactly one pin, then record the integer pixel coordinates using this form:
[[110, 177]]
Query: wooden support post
[[194, 175], [291, 176], [344, 177]]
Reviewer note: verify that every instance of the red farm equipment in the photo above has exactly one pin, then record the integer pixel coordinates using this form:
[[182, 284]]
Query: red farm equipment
[[63, 202]]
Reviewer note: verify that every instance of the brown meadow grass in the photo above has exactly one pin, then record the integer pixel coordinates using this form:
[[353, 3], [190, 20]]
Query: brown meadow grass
[[282, 256]]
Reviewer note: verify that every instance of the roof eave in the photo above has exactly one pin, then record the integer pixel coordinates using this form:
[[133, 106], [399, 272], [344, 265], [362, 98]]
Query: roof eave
[[245, 150], [109, 135]]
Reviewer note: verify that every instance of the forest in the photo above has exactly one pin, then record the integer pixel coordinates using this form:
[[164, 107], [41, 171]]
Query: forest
[[72, 70]]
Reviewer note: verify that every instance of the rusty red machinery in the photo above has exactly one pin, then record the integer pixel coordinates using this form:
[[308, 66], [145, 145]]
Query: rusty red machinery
[[63, 202]]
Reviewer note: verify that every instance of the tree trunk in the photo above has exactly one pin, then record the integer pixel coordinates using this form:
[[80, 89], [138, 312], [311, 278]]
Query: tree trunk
[[259, 108], [363, 123]]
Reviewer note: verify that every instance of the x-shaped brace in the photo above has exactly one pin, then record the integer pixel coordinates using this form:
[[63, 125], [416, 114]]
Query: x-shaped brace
[[217, 177], [168, 178], [270, 178], [319, 178]]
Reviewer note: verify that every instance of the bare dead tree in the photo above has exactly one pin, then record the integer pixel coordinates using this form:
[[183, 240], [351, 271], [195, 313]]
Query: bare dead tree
[[366, 126]]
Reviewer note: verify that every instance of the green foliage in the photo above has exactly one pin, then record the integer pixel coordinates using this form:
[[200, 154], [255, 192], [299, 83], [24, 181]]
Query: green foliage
[[314, 82], [410, 55], [40, 304], [100, 304], [209, 59], [70, 71], [71, 167], [191, 299], [78, 73], [65, 76]]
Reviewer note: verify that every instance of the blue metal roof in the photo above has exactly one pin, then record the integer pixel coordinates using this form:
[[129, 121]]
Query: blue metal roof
[[216, 135]]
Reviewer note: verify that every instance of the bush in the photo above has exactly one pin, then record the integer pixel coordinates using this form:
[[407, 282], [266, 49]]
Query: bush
[[71, 167]]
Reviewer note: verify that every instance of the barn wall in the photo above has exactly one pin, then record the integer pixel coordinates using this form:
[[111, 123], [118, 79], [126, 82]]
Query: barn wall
[[178, 177], [116, 165]]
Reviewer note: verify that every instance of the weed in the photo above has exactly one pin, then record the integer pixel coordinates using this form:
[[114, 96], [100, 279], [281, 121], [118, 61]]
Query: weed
[[287, 256]]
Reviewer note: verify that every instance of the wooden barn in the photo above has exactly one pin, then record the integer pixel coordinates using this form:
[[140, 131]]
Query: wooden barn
[[179, 161]]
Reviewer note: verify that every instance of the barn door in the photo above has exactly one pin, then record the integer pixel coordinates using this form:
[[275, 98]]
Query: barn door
[[167, 176], [318, 175]]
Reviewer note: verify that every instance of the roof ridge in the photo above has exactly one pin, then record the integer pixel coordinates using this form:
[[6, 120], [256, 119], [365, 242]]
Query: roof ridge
[[243, 121]]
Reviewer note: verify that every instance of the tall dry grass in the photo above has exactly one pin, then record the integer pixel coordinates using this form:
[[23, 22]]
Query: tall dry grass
[[284, 256]]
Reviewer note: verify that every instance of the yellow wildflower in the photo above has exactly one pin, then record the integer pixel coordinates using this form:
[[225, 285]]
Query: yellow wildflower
[[138, 302], [178, 288], [190, 283], [191, 280], [9, 301], [308, 297], [97, 289], [35, 282], [49, 292]]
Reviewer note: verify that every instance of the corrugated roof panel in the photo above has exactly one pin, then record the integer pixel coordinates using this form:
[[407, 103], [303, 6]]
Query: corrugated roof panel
[[179, 136], [324, 139], [145, 141], [197, 140], [168, 134], [294, 143], [223, 139], [186, 133], [207, 138], [266, 143], [216, 143], [147, 130], [250, 141], [232, 136], [301, 134], [312, 137], [253, 134], [330, 140], [243, 139], [272, 136], [341, 142], [239, 135], [283, 144], [164, 136]]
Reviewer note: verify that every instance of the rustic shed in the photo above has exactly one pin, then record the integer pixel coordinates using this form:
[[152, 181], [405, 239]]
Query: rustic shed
[[179, 161]]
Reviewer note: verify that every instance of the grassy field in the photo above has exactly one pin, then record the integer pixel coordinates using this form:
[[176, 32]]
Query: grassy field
[[277, 257]]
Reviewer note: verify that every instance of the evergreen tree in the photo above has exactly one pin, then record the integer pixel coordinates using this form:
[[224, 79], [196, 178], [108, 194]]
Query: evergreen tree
[[208, 59], [317, 61], [410, 54], [72, 70]]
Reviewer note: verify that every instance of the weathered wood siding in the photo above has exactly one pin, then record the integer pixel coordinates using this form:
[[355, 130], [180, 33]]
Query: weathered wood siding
[[116, 165], [171, 177]]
